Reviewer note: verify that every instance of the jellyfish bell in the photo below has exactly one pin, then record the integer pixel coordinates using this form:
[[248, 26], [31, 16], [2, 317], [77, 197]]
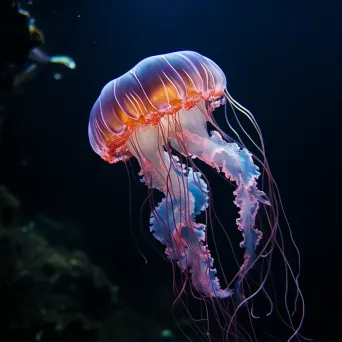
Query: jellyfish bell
[[156, 87], [158, 113]]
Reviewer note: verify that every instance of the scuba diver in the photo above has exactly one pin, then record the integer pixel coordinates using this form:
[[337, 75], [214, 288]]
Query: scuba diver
[[20, 43]]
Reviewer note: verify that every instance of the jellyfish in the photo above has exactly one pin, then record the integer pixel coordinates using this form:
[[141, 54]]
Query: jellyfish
[[159, 113]]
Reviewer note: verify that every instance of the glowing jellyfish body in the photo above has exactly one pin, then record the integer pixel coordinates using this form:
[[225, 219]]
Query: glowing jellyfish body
[[159, 108]]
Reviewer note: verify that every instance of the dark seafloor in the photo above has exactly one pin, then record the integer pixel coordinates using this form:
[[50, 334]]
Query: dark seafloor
[[65, 241]]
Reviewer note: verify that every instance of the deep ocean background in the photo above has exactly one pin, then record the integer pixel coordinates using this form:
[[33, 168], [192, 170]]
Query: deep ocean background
[[282, 60]]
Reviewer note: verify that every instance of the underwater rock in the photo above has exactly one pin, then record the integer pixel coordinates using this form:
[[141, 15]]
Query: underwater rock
[[9, 206], [50, 292], [43, 285]]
